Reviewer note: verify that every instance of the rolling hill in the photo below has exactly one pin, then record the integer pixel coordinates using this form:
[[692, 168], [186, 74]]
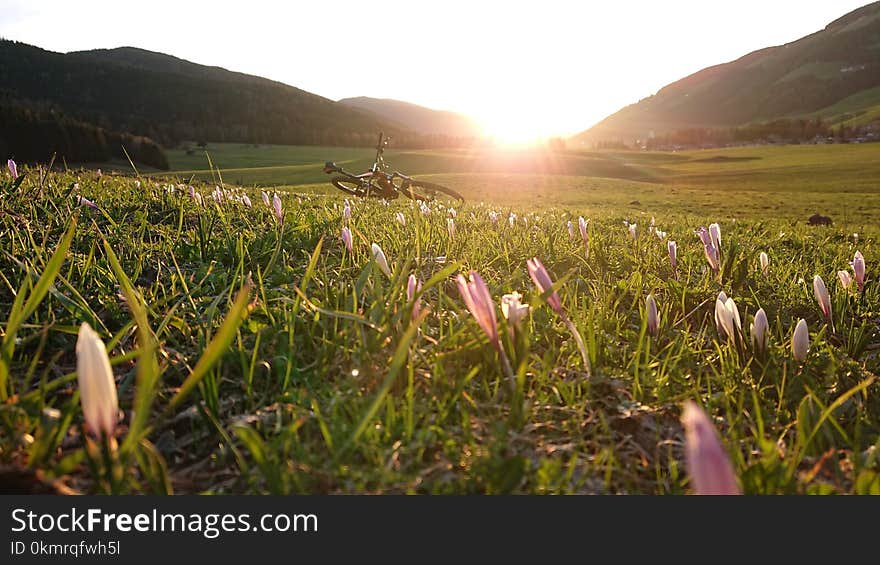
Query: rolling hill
[[169, 99], [417, 118], [833, 74]]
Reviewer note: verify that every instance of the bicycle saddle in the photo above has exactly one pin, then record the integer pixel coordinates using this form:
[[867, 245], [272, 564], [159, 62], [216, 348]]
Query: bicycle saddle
[[331, 167]]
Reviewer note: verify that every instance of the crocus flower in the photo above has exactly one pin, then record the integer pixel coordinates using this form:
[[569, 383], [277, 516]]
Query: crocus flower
[[653, 315], [511, 219], [97, 389], [83, 201], [582, 226], [845, 279], [707, 463], [276, 207], [452, 212], [346, 210], [413, 287], [401, 219], [800, 341], [710, 249], [822, 296], [450, 227], [544, 283], [476, 297], [265, 196], [661, 235], [381, 260], [513, 309], [13, 168], [192, 192], [493, 217], [759, 331], [217, 194], [727, 318], [715, 236], [765, 263], [570, 227], [673, 254], [246, 201], [858, 266], [346, 238], [632, 231]]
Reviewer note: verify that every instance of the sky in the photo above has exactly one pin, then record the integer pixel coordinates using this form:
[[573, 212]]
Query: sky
[[523, 70]]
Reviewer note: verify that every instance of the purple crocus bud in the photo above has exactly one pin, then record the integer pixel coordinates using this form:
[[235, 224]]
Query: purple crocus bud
[[707, 463], [765, 263], [346, 210], [544, 283], [401, 219], [760, 331], [346, 238], [265, 196], [673, 254], [582, 226], [858, 266], [653, 315], [246, 201], [845, 279], [83, 201], [276, 207], [479, 302], [800, 341], [13, 168], [570, 227], [450, 227], [822, 297], [715, 236], [381, 260], [413, 287]]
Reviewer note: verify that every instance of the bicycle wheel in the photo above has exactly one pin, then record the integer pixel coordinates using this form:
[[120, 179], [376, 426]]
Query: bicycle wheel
[[348, 186], [420, 190]]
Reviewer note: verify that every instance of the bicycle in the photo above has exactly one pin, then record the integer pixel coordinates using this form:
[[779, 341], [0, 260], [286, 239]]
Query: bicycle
[[379, 183]]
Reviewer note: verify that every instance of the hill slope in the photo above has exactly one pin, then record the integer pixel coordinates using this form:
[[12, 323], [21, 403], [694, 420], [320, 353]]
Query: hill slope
[[417, 118], [837, 68], [169, 99]]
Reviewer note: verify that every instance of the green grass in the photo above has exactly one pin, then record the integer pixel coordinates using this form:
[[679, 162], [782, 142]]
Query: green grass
[[265, 358]]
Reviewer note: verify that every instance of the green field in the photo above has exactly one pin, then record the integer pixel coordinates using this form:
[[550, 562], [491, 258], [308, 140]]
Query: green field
[[793, 182], [253, 355]]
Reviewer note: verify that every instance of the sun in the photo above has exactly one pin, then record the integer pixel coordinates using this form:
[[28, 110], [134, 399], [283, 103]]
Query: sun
[[519, 127]]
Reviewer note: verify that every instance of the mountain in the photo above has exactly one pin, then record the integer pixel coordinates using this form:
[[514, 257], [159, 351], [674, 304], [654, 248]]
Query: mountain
[[417, 118], [169, 99], [832, 74]]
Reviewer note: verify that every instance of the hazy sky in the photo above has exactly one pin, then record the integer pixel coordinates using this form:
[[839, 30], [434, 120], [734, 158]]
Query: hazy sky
[[523, 69]]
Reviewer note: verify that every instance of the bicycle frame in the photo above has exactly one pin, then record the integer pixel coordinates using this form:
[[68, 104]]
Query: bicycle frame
[[377, 174]]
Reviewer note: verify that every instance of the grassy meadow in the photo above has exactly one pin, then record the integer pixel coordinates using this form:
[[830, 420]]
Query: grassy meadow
[[254, 355]]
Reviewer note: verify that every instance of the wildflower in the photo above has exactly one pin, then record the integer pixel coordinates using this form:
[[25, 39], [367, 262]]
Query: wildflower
[[765, 263], [13, 168], [346, 238], [632, 231], [493, 217], [97, 389], [759, 331], [276, 206], [544, 283], [822, 296], [265, 196], [450, 227], [710, 250], [858, 266], [476, 297], [653, 315], [511, 219], [346, 210], [727, 318], [800, 341], [582, 226], [83, 201], [413, 287], [246, 201], [707, 463], [452, 212], [401, 219], [672, 247], [570, 227], [845, 279], [715, 236], [381, 260], [513, 309]]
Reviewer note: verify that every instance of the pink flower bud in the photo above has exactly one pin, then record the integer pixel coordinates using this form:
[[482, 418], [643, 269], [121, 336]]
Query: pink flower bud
[[707, 463]]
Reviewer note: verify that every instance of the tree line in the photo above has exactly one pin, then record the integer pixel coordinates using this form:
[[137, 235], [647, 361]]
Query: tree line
[[33, 135]]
